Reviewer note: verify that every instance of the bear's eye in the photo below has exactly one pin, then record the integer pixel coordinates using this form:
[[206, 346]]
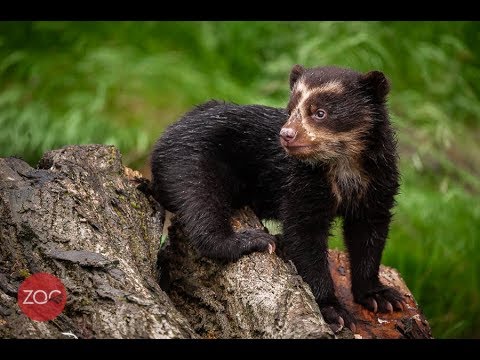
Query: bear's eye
[[320, 114]]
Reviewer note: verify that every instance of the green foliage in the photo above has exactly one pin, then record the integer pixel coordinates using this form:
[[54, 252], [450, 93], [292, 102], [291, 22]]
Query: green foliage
[[122, 83]]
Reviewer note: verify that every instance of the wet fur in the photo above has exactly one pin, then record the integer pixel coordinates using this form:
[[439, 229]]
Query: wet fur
[[221, 156]]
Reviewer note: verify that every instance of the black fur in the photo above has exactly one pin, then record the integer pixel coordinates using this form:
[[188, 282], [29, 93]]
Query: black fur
[[222, 156]]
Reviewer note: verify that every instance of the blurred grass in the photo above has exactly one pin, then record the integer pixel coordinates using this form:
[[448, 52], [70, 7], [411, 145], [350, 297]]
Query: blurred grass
[[122, 82]]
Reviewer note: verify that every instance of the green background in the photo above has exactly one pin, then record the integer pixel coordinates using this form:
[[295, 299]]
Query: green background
[[122, 83]]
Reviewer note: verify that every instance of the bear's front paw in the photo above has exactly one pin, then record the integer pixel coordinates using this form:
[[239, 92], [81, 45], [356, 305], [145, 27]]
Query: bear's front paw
[[245, 242], [336, 316], [381, 299], [252, 240]]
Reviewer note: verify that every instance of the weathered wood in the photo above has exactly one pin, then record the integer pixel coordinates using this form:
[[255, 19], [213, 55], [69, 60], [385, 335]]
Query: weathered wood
[[259, 296], [82, 217], [262, 296], [79, 217], [410, 323]]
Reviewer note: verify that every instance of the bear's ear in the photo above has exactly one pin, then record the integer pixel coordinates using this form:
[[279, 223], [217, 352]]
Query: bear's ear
[[297, 71], [376, 84]]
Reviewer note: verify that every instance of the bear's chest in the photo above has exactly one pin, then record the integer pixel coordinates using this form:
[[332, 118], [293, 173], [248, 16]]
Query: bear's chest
[[348, 183]]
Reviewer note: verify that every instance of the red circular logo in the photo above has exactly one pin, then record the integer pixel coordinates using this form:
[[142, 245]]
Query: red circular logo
[[42, 297]]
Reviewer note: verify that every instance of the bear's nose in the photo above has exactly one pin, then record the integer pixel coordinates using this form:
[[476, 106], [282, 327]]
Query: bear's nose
[[288, 134]]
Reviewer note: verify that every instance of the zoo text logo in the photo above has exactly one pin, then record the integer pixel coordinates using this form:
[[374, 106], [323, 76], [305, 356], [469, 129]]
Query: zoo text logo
[[42, 297]]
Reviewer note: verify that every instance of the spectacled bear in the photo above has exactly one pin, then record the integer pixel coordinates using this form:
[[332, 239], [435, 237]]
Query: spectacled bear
[[330, 153]]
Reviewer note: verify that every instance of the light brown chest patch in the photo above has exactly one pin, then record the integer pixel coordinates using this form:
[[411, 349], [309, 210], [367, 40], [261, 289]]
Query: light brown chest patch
[[348, 181]]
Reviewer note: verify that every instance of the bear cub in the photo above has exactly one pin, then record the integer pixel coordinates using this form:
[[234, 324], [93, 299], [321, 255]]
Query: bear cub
[[331, 152]]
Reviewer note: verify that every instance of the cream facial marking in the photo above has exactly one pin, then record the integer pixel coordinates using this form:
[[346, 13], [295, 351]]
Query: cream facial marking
[[333, 86], [309, 131], [305, 92], [300, 87]]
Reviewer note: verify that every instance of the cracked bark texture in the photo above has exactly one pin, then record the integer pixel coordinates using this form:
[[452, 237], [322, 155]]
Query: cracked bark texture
[[259, 296], [262, 296], [80, 217], [83, 217]]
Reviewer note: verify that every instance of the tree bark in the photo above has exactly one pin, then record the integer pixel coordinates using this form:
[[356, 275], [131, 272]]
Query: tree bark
[[83, 217], [79, 217], [259, 296], [262, 296]]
